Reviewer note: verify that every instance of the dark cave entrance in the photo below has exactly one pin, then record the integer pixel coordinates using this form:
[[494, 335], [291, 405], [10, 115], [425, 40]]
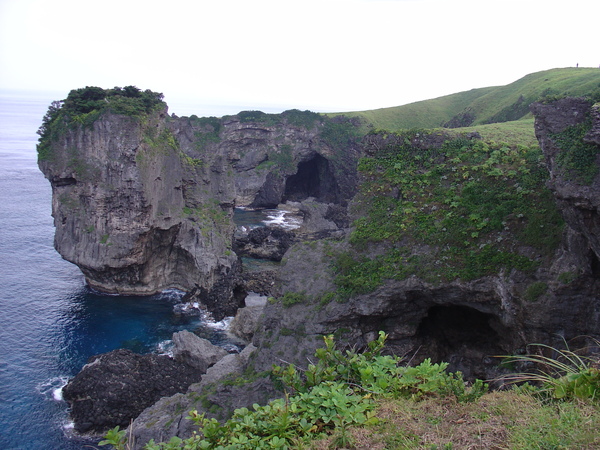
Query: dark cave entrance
[[314, 178], [462, 336]]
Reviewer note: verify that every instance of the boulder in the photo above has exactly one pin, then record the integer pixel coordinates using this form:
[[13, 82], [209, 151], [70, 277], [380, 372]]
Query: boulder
[[115, 387], [195, 352], [265, 243], [167, 417], [246, 319]]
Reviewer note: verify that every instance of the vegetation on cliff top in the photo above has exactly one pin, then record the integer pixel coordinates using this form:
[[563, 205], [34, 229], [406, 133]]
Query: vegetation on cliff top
[[84, 106]]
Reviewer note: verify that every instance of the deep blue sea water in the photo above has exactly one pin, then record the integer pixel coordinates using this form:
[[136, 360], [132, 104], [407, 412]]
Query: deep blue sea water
[[50, 322]]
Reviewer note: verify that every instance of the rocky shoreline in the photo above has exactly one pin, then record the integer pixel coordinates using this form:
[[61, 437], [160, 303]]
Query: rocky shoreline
[[171, 226]]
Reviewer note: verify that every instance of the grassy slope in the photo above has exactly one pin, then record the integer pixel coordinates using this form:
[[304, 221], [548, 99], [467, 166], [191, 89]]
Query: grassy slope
[[498, 420], [484, 103], [423, 114]]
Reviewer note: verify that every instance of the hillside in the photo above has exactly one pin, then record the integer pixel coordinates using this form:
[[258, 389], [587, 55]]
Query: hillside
[[485, 105]]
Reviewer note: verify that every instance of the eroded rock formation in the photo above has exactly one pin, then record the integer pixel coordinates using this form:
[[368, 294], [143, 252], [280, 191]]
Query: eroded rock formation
[[261, 161], [463, 323], [142, 204]]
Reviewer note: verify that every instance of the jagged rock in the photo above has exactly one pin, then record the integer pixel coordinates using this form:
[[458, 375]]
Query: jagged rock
[[141, 205], [166, 418], [231, 363], [463, 323], [265, 243], [260, 281], [115, 387], [246, 319], [195, 352], [579, 203], [321, 217]]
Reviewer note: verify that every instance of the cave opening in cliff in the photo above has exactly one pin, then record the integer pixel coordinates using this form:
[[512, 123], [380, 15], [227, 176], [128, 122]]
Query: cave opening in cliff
[[314, 178], [460, 335]]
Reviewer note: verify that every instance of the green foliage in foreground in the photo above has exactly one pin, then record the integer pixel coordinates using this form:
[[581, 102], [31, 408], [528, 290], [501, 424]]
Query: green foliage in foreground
[[337, 392], [367, 400], [469, 205], [564, 375]]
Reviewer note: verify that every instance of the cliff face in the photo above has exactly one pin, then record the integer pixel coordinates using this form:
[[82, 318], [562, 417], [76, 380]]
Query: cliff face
[[569, 133], [141, 204], [460, 321], [123, 213]]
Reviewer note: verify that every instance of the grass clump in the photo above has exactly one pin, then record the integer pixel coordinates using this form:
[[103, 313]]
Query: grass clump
[[562, 374]]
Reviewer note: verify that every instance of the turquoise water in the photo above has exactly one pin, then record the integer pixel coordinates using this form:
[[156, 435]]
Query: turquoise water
[[50, 322]]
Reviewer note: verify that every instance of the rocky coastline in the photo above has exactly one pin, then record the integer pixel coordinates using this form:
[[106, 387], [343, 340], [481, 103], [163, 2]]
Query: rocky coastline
[[141, 206]]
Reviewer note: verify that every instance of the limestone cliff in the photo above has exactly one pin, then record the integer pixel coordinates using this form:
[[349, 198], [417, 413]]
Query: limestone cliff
[[143, 201], [459, 250], [569, 132], [437, 298]]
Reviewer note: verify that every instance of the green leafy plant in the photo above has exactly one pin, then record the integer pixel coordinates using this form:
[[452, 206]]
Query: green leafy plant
[[535, 290], [115, 437], [471, 204], [577, 157]]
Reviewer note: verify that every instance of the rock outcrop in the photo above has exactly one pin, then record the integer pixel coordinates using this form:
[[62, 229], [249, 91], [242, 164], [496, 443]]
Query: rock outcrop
[[578, 200], [135, 213], [465, 323], [141, 206], [114, 388], [211, 396], [195, 352], [145, 202]]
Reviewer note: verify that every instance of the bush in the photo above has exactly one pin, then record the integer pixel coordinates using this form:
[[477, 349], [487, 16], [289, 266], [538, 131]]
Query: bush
[[84, 106]]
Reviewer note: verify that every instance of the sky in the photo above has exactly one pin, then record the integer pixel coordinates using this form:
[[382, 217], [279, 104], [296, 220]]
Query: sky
[[216, 57]]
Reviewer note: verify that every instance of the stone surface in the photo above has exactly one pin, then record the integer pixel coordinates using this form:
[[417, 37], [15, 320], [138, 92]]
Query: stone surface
[[115, 387], [142, 205], [463, 323], [264, 243], [246, 319], [195, 352], [166, 418], [579, 203]]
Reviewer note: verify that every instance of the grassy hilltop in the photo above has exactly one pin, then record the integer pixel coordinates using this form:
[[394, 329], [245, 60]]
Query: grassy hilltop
[[500, 113]]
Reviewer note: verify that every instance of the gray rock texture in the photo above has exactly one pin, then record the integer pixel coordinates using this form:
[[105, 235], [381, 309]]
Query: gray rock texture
[[115, 387], [211, 396], [463, 323], [195, 352], [246, 319], [579, 202], [145, 204]]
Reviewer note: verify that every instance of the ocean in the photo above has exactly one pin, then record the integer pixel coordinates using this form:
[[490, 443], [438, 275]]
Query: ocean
[[50, 322]]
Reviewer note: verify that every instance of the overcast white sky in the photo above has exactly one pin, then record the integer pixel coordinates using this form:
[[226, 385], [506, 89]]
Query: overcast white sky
[[219, 56]]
